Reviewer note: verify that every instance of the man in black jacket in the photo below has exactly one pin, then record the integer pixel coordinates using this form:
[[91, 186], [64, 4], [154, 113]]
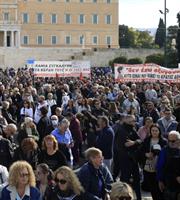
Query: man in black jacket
[[6, 114], [168, 167], [6, 152], [43, 124], [125, 158]]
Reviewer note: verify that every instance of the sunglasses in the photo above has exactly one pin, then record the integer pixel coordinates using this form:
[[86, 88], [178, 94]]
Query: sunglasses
[[61, 181], [24, 175], [172, 141]]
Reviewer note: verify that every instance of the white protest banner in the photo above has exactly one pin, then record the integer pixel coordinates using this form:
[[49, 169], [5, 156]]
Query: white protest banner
[[61, 68], [145, 72]]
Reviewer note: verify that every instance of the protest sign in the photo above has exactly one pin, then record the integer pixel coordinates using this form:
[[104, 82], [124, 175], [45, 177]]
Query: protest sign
[[145, 72], [61, 68]]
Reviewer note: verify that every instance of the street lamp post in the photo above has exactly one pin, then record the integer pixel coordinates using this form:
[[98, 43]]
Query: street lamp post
[[165, 41], [165, 32]]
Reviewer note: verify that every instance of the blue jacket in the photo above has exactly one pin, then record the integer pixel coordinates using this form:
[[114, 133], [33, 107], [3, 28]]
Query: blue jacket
[[168, 167], [10, 193], [90, 177]]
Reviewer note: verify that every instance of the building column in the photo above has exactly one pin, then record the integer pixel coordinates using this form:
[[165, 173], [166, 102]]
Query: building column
[[18, 39], [15, 38], [12, 38], [5, 38]]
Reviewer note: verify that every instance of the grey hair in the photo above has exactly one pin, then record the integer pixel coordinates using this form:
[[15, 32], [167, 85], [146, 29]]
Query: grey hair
[[175, 133], [65, 122], [12, 126]]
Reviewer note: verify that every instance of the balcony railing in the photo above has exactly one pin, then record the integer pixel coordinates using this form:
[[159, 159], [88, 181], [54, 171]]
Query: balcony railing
[[9, 22]]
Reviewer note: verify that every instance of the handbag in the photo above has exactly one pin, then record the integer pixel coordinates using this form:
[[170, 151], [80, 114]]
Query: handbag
[[150, 164]]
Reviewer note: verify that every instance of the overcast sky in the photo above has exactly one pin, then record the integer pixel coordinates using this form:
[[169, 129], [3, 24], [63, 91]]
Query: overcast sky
[[145, 13]]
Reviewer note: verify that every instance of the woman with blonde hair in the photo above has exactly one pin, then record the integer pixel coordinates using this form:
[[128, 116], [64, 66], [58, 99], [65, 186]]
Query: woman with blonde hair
[[21, 183], [67, 186], [121, 191]]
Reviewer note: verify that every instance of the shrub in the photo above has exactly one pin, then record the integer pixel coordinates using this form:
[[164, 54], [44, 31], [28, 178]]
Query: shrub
[[135, 61]]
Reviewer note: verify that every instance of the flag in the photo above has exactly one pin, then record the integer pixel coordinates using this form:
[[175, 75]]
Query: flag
[[81, 76]]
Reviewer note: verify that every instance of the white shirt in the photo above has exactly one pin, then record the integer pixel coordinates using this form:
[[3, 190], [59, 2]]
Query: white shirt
[[28, 112], [51, 102], [37, 114]]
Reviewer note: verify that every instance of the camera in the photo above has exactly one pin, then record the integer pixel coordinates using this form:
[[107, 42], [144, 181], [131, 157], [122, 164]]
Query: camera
[[155, 149]]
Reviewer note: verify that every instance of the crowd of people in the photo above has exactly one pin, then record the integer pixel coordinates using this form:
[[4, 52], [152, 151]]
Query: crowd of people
[[88, 138]]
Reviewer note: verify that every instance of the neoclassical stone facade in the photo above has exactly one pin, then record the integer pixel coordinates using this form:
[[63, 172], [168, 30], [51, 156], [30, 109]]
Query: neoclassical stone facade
[[59, 23]]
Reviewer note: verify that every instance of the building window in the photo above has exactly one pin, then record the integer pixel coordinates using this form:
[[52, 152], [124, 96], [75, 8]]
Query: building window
[[6, 16], [68, 40], [67, 1], [53, 0], [53, 39], [81, 18], [81, 40], [94, 1], [108, 1], [95, 40], [81, 1], [25, 17], [108, 19], [53, 19], [95, 19], [39, 18], [25, 40], [39, 39], [108, 40], [39, 0], [67, 18]]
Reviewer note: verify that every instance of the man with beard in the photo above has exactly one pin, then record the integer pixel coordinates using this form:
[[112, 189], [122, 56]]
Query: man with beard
[[168, 168], [125, 157]]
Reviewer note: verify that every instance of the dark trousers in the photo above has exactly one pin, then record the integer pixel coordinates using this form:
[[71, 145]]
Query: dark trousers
[[129, 173], [171, 194], [116, 165], [152, 185], [75, 152]]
